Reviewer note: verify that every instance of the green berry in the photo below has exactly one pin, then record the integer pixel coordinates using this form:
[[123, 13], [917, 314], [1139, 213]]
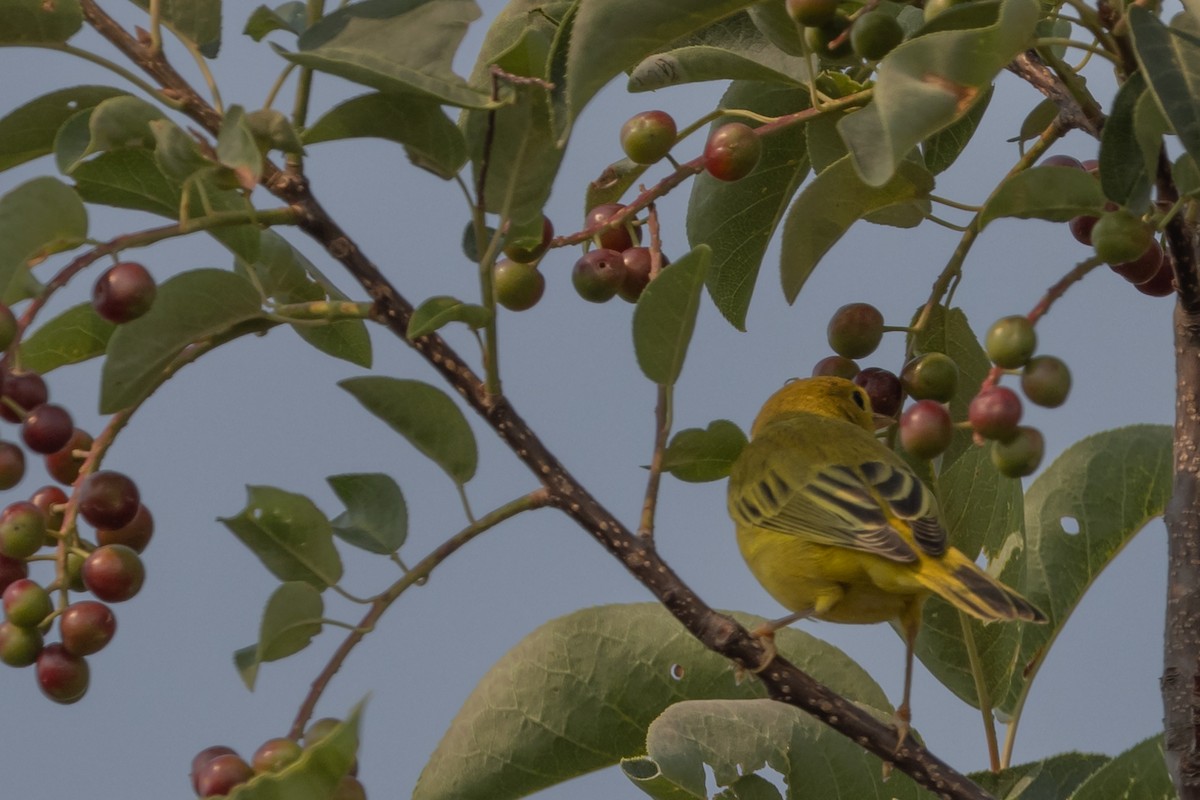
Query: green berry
[[932, 376], [1046, 381], [647, 137], [1010, 341], [1119, 236], [598, 275], [820, 41], [732, 151], [855, 330], [26, 603], [875, 34], [518, 286], [1020, 455], [812, 12], [19, 647]]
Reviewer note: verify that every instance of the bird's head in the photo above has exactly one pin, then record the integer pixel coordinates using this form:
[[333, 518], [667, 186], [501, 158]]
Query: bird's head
[[825, 396]]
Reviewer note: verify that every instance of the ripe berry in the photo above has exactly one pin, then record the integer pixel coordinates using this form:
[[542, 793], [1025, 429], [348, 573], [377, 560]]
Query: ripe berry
[[883, 388], [12, 569], [1119, 236], [732, 151], [203, 757], [926, 429], [108, 499], [22, 530], [618, 238], [64, 464], [648, 136], [1162, 284], [124, 292], [12, 465], [136, 534], [932, 376], [518, 286], [86, 627], [19, 647], [62, 677], [528, 255], [875, 34], [1010, 341], [1144, 267], [47, 429], [1020, 455], [637, 272], [221, 775], [113, 572], [812, 12], [26, 603], [50, 499], [855, 330], [1046, 380], [275, 754], [598, 274], [1061, 160], [838, 366], [26, 389], [8, 326], [995, 412], [1081, 228]]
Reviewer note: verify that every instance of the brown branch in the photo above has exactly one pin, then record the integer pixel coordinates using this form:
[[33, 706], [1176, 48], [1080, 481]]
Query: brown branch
[[1030, 67]]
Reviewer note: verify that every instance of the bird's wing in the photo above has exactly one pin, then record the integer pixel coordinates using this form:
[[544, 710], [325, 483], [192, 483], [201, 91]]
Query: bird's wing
[[853, 505]]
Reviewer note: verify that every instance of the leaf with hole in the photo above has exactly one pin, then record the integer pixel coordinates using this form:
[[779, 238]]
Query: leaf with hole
[[289, 534]]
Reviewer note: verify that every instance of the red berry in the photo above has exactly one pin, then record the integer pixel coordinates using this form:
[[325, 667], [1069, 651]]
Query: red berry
[[51, 499], [113, 572], [926, 429], [108, 499], [275, 754], [124, 292], [1061, 160], [883, 387], [1162, 284], [62, 677], [995, 412], [63, 465], [12, 465], [27, 390], [598, 275], [619, 238], [135, 535], [732, 151], [637, 272], [204, 756], [221, 775], [1143, 268], [838, 366], [855, 330], [12, 569], [86, 627], [47, 429]]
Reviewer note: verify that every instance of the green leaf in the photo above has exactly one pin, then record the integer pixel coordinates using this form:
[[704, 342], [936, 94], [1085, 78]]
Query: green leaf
[[119, 122], [75, 335], [197, 21], [290, 621], [1140, 773], [931, 81], [1053, 193], [1051, 779], [273, 130], [39, 218], [291, 16], [190, 307], [829, 205], [738, 219], [578, 694], [1123, 162], [237, 148], [39, 22], [28, 131], [399, 46], [127, 179], [612, 183], [429, 138], [424, 415], [289, 534], [698, 455], [437, 312], [739, 737], [731, 48], [176, 152], [376, 518], [1037, 120], [1186, 176], [1170, 59], [941, 150], [776, 24], [316, 774], [665, 316]]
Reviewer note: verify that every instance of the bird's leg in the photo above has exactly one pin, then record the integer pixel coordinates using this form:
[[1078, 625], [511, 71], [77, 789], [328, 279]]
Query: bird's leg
[[911, 623], [766, 634]]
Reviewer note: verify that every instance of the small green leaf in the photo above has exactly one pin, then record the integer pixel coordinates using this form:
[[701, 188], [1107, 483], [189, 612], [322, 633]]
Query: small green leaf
[[188, 308], [1037, 120], [1123, 165], [75, 335], [127, 179], [665, 316], [291, 16], [290, 621], [424, 415], [429, 138], [612, 183], [1140, 773], [829, 205], [39, 22], [197, 21], [1170, 58], [1053, 193], [376, 517], [120, 122], [28, 131], [289, 534], [237, 148], [698, 455], [439, 311], [1051, 779], [39, 218], [176, 152], [274, 131]]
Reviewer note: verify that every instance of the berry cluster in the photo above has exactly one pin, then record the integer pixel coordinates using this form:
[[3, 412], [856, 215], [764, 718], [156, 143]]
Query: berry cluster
[[618, 265], [218, 770], [110, 569], [838, 38]]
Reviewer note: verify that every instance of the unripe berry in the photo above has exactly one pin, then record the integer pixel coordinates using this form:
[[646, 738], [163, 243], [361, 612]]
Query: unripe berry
[[732, 151], [648, 136], [518, 286], [1020, 455], [349, 788], [19, 647], [995, 412], [883, 388], [820, 41], [526, 255], [838, 366], [124, 292], [855, 330], [8, 326], [812, 12], [61, 676], [875, 34], [598, 274], [1046, 381], [926, 429], [221, 775], [22, 530], [932, 376], [26, 603], [618, 238], [275, 754], [1010, 341], [1119, 236]]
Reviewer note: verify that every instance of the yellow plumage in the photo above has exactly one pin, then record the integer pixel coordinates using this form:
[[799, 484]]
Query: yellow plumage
[[837, 527]]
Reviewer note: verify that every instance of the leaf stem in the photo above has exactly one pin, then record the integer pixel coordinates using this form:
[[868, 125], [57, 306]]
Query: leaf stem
[[981, 692], [113, 67]]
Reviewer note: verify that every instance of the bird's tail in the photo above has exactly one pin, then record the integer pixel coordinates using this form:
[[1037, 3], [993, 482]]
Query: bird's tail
[[957, 579]]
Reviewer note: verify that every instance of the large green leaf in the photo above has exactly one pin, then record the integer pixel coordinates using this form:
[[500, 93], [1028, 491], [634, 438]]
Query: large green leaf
[[28, 131], [1126, 172], [738, 219], [75, 335], [404, 46], [1140, 773], [1170, 58], [289, 534], [39, 22], [942, 149], [1052, 779], [191, 307], [424, 415], [931, 81], [580, 692], [376, 517], [429, 138], [829, 205], [736, 738], [195, 21], [666, 316], [127, 179], [289, 622], [1051, 193], [698, 455], [39, 218]]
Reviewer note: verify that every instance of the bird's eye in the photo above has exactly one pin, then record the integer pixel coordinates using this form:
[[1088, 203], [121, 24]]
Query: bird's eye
[[860, 399]]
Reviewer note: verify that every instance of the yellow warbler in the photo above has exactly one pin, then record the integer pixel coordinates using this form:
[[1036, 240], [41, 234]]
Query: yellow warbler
[[837, 527]]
